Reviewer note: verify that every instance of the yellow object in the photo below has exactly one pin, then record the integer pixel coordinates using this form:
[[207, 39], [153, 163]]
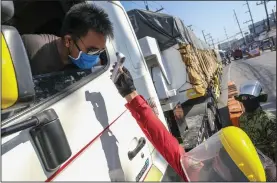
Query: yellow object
[[243, 153], [191, 94], [9, 83], [154, 174], [201, 66]]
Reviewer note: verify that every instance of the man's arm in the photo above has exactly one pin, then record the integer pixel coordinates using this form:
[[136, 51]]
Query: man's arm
[[149, 123], [156, 132]]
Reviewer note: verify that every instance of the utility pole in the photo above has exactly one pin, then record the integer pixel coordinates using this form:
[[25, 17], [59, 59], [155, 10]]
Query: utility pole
[[218, 43], [251, 18], [239, 27], [227, 38], [274, 15], [204, 37], [146, 5], [268, 23], [211, 40]]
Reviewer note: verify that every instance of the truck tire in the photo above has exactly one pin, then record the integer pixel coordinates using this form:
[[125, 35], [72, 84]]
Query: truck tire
[[213, 114], [211, 126], [203, 133]]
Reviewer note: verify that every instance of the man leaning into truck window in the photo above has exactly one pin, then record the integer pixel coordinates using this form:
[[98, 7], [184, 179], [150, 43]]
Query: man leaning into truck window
[[84, 32]]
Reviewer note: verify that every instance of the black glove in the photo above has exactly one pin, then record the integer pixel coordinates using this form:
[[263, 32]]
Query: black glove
[[124, 84]]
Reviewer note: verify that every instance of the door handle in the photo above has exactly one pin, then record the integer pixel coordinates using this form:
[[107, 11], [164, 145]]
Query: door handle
[[141, 144]]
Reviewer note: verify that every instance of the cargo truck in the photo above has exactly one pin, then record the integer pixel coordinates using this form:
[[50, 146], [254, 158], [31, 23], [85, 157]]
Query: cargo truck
[[185, 72]]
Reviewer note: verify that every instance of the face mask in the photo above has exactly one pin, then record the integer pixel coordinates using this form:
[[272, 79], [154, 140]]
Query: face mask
[[251, 105], [85, 61]]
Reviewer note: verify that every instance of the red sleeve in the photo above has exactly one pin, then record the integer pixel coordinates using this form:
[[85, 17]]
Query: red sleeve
[[157, 134]]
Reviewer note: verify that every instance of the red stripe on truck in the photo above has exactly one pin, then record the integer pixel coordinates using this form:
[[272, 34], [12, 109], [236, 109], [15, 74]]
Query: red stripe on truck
[[80, 152]]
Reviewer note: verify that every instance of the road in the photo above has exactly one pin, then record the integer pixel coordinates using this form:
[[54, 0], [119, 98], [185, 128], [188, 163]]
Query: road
[[263, 69]]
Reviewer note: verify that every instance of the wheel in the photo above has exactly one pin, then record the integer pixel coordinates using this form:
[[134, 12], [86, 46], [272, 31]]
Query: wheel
[[203, 133], [212, 122], [216, 113]]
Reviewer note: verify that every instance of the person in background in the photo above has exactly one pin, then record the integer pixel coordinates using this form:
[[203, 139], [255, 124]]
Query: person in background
[[84, 32], [260, 125], [209, 161]]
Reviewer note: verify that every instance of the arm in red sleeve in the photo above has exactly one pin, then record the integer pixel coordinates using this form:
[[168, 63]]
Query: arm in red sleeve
[[157, 134]]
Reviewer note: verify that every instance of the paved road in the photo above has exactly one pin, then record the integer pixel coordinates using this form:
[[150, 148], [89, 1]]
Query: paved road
[[263, 69]]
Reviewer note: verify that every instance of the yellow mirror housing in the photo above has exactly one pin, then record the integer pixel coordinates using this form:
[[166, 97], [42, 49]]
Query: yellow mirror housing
[[9, 91]]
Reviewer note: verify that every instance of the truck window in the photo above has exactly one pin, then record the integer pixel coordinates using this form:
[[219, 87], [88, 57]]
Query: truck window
[[49, 85]]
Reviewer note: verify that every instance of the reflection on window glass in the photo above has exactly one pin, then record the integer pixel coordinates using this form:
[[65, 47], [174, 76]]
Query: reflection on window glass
[[47, 85]]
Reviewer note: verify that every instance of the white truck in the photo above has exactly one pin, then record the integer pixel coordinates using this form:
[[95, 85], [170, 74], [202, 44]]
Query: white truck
[[85, 131], [73, 125], [165, 42]]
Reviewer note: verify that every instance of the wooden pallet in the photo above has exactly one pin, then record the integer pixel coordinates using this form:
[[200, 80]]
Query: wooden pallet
[[234, 106]]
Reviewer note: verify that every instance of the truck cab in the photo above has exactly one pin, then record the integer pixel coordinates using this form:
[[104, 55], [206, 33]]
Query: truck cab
[[85, 131]]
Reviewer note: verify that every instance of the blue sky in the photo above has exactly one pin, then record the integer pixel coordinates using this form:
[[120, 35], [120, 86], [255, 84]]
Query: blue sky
[[210, 16]]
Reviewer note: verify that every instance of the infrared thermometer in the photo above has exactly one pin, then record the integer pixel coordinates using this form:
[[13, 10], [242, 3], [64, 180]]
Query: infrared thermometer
[[120, 61]]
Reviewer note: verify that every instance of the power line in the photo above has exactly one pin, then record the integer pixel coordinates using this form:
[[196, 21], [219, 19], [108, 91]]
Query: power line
[[137, 4], [161, 7], [189, 26], [156, 3]]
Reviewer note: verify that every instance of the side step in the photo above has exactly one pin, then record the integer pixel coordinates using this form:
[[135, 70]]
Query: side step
[[234, 106]]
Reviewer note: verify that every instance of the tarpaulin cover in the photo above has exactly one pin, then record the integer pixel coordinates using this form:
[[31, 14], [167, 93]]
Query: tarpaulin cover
[[166, 29], [201, 62]]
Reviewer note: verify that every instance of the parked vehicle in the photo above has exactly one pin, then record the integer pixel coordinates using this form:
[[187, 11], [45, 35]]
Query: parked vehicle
[[267, 44], [223, 56], [237, 54], [254, 53]]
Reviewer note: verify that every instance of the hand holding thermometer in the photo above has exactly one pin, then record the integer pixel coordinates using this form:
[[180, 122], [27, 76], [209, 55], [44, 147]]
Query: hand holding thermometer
[[120, 61]]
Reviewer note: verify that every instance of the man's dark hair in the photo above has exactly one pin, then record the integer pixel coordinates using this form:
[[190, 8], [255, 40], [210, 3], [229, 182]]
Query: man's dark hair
[[83, 17]]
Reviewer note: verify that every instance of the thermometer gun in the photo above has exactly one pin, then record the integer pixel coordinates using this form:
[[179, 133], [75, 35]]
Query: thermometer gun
[[120, 61]]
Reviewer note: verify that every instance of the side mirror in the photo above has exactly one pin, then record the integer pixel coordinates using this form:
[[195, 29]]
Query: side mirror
[[17, 83], [263, 97]]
